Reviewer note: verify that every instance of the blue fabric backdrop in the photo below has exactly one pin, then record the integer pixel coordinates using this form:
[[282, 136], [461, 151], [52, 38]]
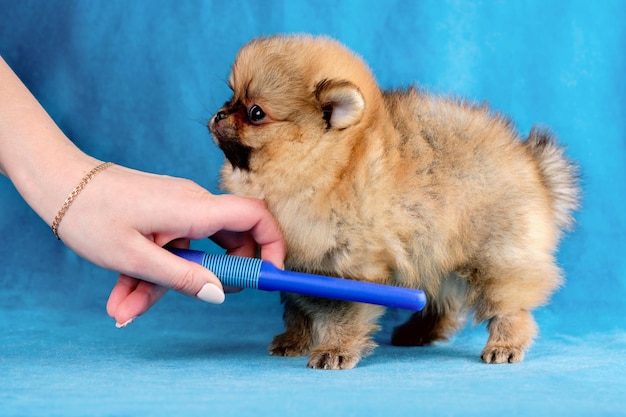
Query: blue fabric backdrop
[[135, 82]]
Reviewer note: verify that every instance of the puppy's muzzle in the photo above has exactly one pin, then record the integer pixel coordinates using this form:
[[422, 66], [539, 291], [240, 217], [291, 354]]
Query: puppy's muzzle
[[222, 128], [226, 136], [221, 115]]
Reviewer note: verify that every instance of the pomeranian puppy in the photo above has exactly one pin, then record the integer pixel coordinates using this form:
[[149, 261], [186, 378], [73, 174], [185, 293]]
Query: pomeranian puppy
[[395, 187]]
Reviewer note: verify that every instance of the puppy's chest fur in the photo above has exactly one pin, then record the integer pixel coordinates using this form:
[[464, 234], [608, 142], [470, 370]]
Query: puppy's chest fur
[[397, 207]]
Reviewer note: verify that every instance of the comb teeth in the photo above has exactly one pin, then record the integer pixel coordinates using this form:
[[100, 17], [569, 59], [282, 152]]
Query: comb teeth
[[234, 271]]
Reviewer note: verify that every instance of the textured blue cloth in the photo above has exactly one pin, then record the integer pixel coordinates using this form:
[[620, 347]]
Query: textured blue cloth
[[135, 82]]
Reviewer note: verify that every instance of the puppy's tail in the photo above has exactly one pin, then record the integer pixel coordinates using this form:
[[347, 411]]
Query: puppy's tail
[[559, 174]]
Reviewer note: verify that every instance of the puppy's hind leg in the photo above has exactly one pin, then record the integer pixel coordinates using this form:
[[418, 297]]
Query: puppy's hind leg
[[505, 298], [424, 328], [509, 335], [442, 316]]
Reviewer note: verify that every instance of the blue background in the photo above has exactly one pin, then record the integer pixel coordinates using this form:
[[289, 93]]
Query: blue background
[[135, 83]]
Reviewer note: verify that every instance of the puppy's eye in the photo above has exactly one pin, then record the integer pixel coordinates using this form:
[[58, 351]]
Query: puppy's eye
[[256, 113]]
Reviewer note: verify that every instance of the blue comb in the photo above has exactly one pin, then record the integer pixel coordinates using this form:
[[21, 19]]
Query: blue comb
[[237, 271]]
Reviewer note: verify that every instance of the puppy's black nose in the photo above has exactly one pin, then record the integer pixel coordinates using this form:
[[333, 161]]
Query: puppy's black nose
[[219, 116]]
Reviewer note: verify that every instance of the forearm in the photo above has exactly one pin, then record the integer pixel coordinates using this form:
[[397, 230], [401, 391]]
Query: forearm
[[43, 164]]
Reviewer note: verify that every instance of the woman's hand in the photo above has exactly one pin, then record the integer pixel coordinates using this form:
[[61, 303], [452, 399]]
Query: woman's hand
[[123, 218]]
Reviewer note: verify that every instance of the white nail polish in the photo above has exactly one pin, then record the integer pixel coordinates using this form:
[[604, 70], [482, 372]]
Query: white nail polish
[[211, 294], [126, 323]]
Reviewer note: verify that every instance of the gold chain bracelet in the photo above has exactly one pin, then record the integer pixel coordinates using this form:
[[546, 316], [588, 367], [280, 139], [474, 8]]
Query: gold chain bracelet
[[70, 198]]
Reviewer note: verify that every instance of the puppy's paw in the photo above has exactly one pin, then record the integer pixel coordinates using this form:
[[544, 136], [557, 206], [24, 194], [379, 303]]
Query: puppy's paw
[[287, 344], [509, 335], [333, 360], [502, 354]]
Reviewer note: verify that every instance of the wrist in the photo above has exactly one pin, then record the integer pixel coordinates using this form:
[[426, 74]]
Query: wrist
[[46, 178], [75, 192]]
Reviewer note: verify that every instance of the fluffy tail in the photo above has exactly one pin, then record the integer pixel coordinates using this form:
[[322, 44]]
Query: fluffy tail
[[559, 174]]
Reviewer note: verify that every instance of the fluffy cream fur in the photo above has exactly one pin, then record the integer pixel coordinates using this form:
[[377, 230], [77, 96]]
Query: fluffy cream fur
[[397, 187]]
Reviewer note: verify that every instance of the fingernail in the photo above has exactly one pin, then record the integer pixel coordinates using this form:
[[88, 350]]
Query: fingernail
[[126, 323], [211, 294]]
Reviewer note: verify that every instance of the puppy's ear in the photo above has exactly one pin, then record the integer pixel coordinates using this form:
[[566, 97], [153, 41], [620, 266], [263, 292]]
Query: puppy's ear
[[341, 101]]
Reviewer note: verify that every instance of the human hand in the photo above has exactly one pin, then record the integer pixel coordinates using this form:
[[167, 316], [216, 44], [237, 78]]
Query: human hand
[[124, 217]]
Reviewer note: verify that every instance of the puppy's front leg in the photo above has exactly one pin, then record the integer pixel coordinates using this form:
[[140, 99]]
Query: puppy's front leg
[[342, 332], [297, 338]]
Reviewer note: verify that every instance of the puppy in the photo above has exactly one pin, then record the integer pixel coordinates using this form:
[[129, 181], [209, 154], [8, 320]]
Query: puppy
[[395, 187]]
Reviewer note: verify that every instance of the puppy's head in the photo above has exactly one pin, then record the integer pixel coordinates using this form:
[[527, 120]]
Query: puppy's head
[[293, 96]]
